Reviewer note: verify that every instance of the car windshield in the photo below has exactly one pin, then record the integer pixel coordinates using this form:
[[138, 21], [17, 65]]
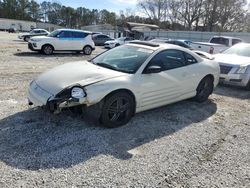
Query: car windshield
[[54, 33], [239, 49], [127, 59]]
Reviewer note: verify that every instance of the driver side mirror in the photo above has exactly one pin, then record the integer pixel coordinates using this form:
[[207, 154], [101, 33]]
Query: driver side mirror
[[152, 69]]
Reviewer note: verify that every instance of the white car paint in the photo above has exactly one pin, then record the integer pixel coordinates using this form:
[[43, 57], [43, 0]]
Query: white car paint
[[117, 42], [150, 90], [214, 48]]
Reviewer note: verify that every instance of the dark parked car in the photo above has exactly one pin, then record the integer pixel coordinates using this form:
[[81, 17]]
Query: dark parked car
[[100, 39], [12, 30]]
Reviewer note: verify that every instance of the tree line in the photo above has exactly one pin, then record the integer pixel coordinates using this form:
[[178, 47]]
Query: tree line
[[206, 15], [202, 15]]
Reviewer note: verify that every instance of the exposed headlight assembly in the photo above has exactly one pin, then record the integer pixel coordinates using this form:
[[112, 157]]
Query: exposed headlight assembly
[[77, 92], [242, 70]]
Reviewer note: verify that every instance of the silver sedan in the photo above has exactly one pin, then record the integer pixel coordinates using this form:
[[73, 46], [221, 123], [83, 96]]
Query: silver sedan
[[235, 65]]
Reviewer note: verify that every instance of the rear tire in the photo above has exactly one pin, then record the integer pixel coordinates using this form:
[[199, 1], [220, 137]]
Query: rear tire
[[204, 89], [47, 49], [117, 45], [87, 50], [26, 39], [117, 110]]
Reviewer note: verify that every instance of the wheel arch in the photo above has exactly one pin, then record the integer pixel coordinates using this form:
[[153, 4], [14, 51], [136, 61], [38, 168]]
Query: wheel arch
[[48, 44], [123, 90], [88, 45], [210, 76]]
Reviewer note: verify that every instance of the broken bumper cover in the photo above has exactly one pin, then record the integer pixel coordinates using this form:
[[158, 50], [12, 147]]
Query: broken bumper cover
[[39, 97]]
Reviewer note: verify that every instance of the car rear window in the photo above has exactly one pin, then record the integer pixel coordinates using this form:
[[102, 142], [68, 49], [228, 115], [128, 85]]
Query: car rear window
[[220, 40]]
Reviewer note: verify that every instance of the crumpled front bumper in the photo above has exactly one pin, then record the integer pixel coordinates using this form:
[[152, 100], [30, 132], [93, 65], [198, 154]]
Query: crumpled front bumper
[[37, 96]]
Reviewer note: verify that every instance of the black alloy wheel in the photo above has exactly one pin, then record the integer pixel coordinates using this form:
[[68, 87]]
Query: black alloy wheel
[[204, 89], [47, 49], [117, 110]]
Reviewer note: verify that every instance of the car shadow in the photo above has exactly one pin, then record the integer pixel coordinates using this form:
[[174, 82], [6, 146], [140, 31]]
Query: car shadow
[[232, 91], [55, 54], [61, 54], [20, 41], [35, 139]]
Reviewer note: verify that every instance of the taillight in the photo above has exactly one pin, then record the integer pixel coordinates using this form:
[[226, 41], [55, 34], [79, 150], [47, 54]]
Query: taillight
[[211, 50]]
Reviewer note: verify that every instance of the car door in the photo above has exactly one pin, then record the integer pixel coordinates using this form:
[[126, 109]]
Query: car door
[[65, 41], [167, 86], [79, 40]]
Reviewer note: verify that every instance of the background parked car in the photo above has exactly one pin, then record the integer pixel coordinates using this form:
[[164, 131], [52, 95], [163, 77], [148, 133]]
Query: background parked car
[[117, 42], [33, 33], [216, 44], [235, 65], [12, 30], [100, 39], [63, 40], [172, 41]]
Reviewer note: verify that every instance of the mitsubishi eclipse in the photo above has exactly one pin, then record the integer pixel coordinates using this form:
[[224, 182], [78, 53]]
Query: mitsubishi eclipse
[[126, 80]]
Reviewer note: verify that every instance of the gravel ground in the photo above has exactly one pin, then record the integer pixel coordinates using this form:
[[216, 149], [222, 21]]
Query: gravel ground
[[181, 145]]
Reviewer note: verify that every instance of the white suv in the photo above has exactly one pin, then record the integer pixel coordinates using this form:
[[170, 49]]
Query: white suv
[[63, 40]]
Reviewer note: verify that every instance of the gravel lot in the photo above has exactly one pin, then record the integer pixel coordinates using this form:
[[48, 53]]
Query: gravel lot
[[181, 145]]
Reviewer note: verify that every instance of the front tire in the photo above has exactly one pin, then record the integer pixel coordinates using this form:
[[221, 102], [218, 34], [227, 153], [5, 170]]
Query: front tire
[[87, 50], [47, 49], [204, 89], [117, 110]]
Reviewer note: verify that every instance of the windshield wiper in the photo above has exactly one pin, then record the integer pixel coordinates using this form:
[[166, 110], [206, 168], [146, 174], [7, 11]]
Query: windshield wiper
[[106, 66]]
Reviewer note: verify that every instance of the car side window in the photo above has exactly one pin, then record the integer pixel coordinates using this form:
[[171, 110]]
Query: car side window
[[65, 34], [190, 59], [236, 41], [79, 35], [168, 59]]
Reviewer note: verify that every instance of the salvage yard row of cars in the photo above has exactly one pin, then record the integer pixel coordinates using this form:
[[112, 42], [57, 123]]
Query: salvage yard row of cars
[[132, 76]]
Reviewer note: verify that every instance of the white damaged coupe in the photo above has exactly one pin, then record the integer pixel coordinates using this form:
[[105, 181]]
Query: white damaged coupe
[[125, 80]]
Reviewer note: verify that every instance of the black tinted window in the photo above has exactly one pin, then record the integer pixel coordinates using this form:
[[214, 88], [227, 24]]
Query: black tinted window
[[235, 41], [79, 34], [66, 34], [220, 40], [104, 37], [169, 59], [190, 59]]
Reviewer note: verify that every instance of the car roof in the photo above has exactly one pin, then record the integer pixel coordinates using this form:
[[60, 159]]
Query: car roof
[[162, 46], [226, 37], [98, 34], [74, 30]]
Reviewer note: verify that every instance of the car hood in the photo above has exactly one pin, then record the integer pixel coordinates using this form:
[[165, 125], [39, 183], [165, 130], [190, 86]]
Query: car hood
[[70, 74], [232, 59]]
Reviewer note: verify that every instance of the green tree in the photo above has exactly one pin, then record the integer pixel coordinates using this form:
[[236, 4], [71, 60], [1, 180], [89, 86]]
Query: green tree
[[34, 11]]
